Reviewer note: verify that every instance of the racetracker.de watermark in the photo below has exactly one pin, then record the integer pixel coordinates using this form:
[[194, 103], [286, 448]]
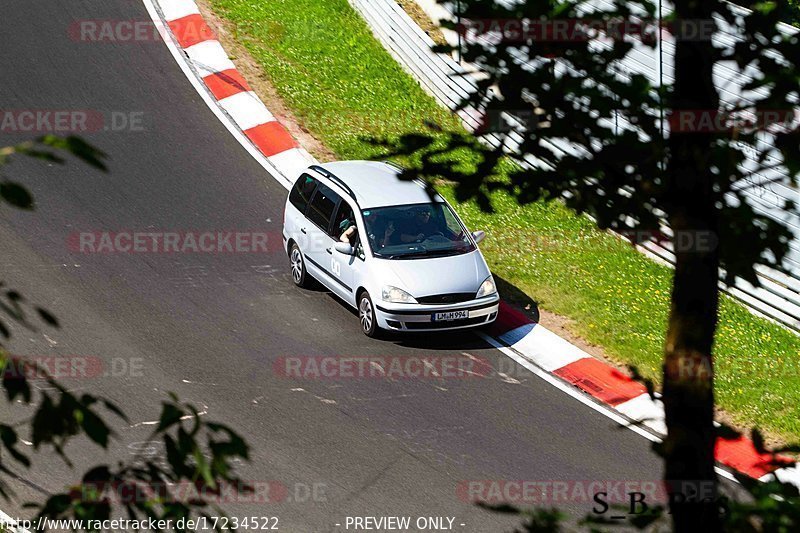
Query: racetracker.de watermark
[[39, 367], [697, 241], [564, 492], [69, 121], [725, 121], [581, 30], [256, 492], [136, 31], [338, 367], [172, 242]]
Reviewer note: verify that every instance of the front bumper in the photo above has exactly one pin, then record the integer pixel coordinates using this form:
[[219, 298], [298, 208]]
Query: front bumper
[[418, 317]]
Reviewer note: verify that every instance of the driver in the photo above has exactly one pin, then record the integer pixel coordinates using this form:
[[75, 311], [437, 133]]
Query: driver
[[419, 227]]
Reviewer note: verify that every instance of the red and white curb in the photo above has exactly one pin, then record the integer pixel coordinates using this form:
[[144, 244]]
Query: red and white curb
[[233, 95], [615, 390], [602, 386]]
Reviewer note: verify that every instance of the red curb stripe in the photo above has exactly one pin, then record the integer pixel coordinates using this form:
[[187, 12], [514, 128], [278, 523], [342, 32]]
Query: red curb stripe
[[226, 83], [508, 318], [271, 138], [190, 30], [600, 380], [740, 455]]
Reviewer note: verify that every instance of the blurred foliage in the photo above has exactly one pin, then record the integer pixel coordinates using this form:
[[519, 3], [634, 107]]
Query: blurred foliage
[[199, 452]]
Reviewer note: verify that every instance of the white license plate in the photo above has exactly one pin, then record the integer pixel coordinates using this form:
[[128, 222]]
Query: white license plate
[[449, 315]]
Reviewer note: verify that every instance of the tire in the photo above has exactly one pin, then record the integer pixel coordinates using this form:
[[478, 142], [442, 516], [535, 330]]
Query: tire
[[366, 316], [300, 275]]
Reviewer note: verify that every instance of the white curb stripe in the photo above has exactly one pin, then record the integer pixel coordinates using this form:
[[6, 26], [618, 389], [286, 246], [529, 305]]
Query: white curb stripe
[[544, 347], [177, 9], [647, 411], [787, 475], [209, 58], [246, 109], [293, 161]]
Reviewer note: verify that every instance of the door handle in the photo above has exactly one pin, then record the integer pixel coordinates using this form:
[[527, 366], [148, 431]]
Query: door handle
[[329, 250], [303, 230]]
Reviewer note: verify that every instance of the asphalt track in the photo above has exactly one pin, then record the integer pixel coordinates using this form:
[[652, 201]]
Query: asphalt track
[[209, 326]]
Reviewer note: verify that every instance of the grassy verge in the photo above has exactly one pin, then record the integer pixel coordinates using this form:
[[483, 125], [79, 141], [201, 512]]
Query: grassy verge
[[343, 86]]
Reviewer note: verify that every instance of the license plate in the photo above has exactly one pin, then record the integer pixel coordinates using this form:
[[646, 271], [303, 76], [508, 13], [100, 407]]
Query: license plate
[[449, 315]]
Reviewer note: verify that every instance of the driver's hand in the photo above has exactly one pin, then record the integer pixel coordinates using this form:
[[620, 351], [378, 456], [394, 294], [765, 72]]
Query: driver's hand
[[421, 236]]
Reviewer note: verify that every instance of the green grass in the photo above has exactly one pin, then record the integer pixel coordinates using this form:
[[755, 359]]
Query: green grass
[[344, 86]]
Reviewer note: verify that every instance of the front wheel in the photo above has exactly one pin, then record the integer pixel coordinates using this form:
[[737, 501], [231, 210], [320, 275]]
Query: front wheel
[[366, 316], [300, 276]]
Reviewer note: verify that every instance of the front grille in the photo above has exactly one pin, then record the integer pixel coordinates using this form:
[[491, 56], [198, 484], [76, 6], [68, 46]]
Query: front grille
[[446, 323], [453, 298]]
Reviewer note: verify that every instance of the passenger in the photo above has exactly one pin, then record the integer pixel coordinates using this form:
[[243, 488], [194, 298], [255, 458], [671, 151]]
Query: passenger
[[350, 231], [420, 227], [379, 231]]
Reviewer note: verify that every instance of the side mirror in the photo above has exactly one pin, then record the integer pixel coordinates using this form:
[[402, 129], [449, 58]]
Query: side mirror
[[478, 235], [344, 248]]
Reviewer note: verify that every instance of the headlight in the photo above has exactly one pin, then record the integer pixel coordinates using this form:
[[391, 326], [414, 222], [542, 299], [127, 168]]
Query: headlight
[[397, 296], [487, 288]]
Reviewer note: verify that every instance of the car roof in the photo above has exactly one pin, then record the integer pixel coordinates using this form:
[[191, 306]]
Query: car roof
[[376, 184]]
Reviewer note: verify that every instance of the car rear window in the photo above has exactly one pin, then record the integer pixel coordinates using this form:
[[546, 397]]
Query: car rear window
[[302, 191], [320, 210]]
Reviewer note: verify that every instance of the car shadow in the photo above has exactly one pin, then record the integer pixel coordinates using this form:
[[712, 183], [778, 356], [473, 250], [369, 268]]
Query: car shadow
[[515, 296]]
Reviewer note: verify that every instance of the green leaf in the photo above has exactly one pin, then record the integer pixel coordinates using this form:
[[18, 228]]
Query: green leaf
[[758, 441], [114, 409], [77, 147], [170, 415], [45, 315], [726, 432], [16, 195], [95, 428], [97, 474], [9, 438]]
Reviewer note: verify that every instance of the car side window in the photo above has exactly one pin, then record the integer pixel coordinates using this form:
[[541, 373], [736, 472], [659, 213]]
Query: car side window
[[302, 191], [343, 221], [344, 225], [320, 209]]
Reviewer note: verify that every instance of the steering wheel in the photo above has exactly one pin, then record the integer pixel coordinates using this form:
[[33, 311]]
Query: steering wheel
[[442, 237]]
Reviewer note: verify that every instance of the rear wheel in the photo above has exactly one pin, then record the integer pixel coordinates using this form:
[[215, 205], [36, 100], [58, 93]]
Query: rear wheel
[[366, 315], [300, 276]]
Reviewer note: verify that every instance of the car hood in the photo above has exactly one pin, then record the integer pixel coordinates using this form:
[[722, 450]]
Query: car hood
[[438, 275]]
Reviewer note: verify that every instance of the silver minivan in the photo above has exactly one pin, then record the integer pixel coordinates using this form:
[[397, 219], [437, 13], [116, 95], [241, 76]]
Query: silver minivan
[[395, 252]]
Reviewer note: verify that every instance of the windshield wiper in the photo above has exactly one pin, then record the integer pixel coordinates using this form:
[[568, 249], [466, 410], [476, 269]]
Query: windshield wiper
[[429, 253]]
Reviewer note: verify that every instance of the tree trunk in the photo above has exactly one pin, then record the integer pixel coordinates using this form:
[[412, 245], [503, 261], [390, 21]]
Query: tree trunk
[[688, 365]]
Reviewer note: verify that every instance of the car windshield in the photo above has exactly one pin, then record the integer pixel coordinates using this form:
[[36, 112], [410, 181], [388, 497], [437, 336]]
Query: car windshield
[[416, 231]]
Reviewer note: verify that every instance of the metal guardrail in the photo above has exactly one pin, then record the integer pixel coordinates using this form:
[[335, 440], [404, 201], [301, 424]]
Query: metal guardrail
[[449, 82]]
